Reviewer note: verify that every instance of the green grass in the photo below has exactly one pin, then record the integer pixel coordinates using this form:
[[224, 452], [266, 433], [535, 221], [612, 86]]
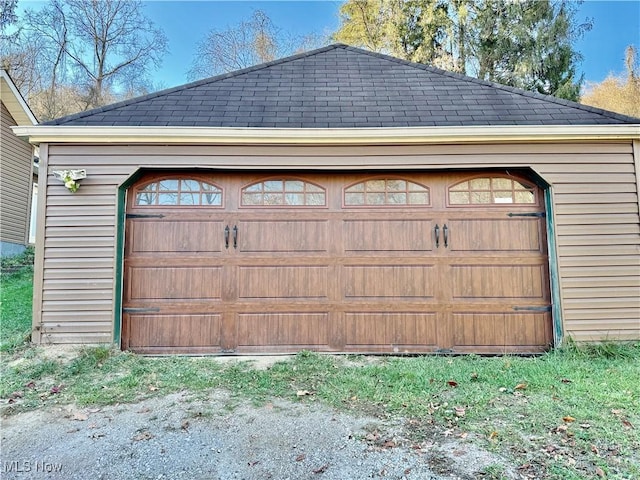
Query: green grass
[[16, 291], [571, 413], [518, 407]]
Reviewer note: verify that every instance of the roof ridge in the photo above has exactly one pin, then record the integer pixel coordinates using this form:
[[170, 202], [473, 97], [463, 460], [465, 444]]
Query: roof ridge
[[194, 84], [487, 83]]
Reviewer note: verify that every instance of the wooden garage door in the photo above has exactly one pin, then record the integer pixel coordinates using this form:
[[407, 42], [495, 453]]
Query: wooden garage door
[[255, 263]]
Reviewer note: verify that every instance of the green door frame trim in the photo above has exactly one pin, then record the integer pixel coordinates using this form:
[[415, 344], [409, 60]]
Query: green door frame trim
[[554, 278], [119, 266], [552, 253]]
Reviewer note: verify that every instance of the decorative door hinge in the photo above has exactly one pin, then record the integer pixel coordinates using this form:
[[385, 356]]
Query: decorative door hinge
[[533, 309], [527, 214], [144, 215]]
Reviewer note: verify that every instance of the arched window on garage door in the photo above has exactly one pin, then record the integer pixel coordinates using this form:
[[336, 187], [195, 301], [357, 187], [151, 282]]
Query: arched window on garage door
[[178, 192], [289, 192], [386, 192], [494, 190]]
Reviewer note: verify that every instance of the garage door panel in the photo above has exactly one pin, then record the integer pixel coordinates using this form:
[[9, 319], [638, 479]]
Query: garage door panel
[[389, 281], [299, 329], [341, 277], [175, 283], [495, 235], [387, 236], [482, 282], [172, 330], [373, 330], [283, 282], [500, 330], [177, 236], [290, 236]]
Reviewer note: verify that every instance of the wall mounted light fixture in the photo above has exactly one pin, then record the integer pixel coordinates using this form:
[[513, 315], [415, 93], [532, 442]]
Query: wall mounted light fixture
[[71, 178]]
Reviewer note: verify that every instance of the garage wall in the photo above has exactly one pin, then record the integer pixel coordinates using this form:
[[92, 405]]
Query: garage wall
[[595, 200]]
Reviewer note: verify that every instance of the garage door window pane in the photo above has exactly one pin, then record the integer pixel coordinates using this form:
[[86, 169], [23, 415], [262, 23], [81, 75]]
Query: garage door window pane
[[491, 191], [386, 192], [168, 199], [418, 198], [146, 198], [354, 198], [170, 185], [283, 192], [179, 192], [189, 198], [190, 186]]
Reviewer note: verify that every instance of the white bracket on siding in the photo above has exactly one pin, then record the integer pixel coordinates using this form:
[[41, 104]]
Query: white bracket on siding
[[73, 174]]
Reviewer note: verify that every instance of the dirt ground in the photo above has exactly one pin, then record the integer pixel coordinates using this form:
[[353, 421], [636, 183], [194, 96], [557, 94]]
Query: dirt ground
[[214, 436]]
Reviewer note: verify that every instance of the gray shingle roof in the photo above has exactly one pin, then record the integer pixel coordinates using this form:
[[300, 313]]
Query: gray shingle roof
[[342, 87]]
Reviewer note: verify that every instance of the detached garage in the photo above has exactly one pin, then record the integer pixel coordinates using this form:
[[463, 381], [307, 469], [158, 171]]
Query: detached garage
[[338, 201]]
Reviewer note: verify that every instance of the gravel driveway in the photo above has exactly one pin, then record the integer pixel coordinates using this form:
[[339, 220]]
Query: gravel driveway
[[214, 436]]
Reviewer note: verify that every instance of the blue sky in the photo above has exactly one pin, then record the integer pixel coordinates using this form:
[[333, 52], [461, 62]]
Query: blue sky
[[616, 24]]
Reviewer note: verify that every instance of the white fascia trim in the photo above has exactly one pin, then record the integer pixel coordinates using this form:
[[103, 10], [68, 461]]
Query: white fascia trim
[[313, 136], [18, 96]]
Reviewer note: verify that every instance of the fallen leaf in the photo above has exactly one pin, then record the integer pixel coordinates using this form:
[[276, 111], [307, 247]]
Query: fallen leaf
[[144, 435], [474, 376], [626, 423], [594, 449], [389, 444], [460, 411], [600, 472], [568, 419], [585, 425], [79, 416], [520, 386], [493, 435], [152, 388], [322, 469], [30, 384], [300, 457], [452, 383], [502, 389], [303, 393], [56, 388], [372, 437], [463, 435], [185, 425], [16, 394], [561, 428]]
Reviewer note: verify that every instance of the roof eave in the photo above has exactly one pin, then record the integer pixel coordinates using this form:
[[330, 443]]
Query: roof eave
[[15, 102], [312, 136]]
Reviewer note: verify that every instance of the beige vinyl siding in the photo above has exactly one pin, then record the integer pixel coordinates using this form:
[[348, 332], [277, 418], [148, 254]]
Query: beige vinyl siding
[[595, 202], [15, 190]]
